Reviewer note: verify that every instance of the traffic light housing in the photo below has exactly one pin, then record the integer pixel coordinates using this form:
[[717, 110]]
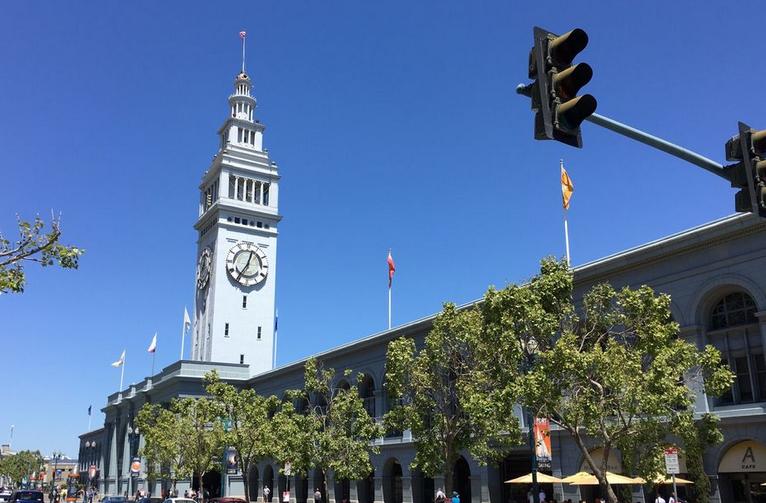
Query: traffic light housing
[[558, 110], [749, 173]]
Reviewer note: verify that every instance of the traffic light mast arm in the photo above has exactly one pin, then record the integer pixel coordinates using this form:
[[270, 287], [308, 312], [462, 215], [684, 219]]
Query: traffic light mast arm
[[648, 139]]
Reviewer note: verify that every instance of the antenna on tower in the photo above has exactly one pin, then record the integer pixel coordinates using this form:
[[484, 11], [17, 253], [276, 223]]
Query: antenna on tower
[[242, 36]]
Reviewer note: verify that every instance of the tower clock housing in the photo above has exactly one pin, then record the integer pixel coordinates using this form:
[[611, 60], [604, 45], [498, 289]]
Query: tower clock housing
[[237, 243]]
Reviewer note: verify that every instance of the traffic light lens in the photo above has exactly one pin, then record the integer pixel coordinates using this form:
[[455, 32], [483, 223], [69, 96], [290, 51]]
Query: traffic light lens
[[571, 80], [563, 49], [758, 139], [571, 114]]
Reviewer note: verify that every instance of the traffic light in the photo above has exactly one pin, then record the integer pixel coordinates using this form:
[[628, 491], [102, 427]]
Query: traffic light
[[749, 173], [558, 110]]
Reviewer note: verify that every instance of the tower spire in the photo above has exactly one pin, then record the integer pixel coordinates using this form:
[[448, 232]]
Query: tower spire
[[243, 36]]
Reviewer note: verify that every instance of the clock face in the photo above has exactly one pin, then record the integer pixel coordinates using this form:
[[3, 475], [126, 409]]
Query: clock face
[[203, 268], [247, 264]]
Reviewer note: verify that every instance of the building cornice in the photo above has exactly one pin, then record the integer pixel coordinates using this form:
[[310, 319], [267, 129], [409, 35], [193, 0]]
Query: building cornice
[[211, 215], [691, 240]]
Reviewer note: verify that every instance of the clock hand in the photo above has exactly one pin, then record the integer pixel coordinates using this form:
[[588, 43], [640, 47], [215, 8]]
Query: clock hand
[[249, 258]]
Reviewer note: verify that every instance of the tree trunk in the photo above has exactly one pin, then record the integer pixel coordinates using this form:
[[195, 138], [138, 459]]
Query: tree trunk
[[246, 482], [599, 472], [448, 471], [201, 495]]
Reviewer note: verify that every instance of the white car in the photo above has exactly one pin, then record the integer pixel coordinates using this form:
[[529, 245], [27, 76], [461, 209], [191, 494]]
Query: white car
[[179, 500], [5, 494]]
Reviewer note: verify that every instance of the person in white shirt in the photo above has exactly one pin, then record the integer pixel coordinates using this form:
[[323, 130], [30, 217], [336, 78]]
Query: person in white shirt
[[542, 496], [672, 498], [659, 499]]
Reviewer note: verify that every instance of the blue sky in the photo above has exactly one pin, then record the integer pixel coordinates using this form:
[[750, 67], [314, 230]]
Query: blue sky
[[394, 124]]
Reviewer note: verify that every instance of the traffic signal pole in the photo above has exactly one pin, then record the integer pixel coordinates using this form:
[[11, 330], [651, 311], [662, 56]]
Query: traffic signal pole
[[648, 139]]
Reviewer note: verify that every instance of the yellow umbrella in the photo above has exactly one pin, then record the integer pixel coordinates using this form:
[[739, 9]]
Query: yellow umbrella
[[576, 477], [669, 480], [541, 479], [588, 479]]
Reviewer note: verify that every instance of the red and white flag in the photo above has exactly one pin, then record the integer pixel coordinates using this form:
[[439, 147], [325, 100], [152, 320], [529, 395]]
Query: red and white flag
[[121, 361], [391, 268], [242, 34], [153, 346]]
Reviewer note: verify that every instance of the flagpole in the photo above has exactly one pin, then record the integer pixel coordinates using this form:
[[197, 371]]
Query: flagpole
[[122, 370], [89, 416], [154, 354], [276, 330], [243, 53], [566, 237], [389, 307], [566, 223], [183, 337]]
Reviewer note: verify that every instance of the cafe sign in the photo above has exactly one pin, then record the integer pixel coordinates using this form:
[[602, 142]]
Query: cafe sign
[[744, 457]]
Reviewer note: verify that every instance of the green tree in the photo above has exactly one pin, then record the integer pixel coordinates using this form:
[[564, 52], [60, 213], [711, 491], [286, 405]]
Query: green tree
[[294, 433], [163, 439], [340, 434], [203, 435], [183, 441], [34, 244], [248, 414], [614, 372], [441, 398], [21, 465]]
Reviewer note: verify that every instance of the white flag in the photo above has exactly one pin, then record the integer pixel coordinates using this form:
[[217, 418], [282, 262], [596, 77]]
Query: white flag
[[187, 320], [119, 362], [153, 346]]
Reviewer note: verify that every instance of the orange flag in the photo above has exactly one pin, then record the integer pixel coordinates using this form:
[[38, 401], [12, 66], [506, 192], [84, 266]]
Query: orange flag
[[567, 187]]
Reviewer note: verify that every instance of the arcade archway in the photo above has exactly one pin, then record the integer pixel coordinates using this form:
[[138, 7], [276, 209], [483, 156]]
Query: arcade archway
[[392, 482], [461, 480], [742, 470]]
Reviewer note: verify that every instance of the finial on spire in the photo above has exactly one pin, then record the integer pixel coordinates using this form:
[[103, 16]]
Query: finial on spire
[[242, 36]]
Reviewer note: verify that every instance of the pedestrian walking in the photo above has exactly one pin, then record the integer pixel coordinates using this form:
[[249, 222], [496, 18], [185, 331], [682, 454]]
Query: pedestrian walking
[[440, 496], [266, 493], [317, 496], [455, 497], [659, 499]]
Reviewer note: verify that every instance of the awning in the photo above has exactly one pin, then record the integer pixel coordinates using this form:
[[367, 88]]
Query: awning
[[542, 478]]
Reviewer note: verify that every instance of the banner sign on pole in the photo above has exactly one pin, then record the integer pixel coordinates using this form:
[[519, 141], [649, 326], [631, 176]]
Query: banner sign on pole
[[671, 461], [542, 432], [231, 461], [135, 466]]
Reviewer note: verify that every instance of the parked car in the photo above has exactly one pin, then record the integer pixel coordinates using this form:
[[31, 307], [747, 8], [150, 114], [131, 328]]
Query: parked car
[[179, 500], [5, 494], [114, 499], [25, 496], [226, 499]]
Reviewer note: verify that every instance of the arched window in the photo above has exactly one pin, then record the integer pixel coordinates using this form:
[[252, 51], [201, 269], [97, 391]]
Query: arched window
[[367, 393], [734, 309], [733, 329]]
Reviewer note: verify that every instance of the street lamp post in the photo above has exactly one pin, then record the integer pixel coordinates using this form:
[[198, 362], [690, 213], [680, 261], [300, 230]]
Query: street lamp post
[[133, 436], [90, 451], [56, 455]]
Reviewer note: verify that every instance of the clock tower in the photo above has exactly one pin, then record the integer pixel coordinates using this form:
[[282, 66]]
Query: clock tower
[[237, 243]]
